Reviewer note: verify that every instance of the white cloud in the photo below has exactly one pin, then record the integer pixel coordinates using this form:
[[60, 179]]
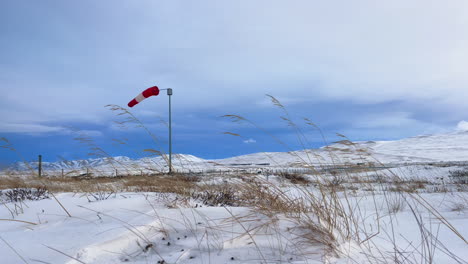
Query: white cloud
[[250, 141], [29, 128], [385, 120], [462, 126], [37, 129]]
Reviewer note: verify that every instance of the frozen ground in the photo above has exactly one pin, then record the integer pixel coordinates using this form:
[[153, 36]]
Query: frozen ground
[[152, 227], [406, 208], [140, 228]]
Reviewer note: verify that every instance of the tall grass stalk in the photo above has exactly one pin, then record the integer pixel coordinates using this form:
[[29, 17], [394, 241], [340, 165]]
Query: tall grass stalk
[[332, 211]]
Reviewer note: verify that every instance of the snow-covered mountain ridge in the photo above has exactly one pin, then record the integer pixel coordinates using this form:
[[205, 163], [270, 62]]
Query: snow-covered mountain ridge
[[448, 147]]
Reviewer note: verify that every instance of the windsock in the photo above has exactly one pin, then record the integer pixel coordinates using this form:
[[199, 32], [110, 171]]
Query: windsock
[[145, 94]]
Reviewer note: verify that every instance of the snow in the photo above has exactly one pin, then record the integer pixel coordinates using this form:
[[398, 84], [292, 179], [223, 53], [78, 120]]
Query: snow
[[403, 228], [430, 221], [141, 228], [462, 126], [120, 228]]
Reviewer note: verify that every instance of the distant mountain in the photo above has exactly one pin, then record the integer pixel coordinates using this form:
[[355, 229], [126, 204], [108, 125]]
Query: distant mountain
[[440, 147], [449, 147], [112, 163]]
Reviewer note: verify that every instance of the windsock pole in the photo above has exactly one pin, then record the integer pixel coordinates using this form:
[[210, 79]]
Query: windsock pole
[[169, 93], [153, 91]]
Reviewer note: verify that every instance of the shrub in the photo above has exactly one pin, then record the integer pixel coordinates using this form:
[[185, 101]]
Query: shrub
[[294, 178], [21, 194], [223, 196], [459, 176]]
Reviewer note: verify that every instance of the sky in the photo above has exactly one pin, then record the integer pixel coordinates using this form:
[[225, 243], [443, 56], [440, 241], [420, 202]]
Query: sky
[[369, 70]]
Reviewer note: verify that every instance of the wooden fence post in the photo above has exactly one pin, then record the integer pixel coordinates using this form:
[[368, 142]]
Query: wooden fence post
[[39, 168]]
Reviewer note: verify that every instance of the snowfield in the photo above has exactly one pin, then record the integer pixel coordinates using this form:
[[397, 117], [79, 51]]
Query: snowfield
[[402, 201], [142, 228]]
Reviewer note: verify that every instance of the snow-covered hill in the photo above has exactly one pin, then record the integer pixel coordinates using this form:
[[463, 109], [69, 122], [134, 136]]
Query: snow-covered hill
[[440, 147], [449, 147]]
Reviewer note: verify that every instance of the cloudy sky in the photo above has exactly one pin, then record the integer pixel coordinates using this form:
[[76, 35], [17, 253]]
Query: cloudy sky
[[369, 70]]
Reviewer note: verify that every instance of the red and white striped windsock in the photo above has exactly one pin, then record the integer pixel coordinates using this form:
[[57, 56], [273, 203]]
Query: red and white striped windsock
[[145, 94]]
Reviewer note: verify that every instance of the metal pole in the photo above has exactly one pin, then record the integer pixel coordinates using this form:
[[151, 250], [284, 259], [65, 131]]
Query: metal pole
[[169, 93]]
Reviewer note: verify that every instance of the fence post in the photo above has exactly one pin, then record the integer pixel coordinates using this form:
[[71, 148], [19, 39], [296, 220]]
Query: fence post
[[87, 171], [62, 173], [116, 172], [40, 166]]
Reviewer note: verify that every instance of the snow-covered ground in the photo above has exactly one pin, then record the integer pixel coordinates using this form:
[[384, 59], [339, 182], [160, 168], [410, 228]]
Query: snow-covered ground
[[140, 228], [150, 227], [400, 197]]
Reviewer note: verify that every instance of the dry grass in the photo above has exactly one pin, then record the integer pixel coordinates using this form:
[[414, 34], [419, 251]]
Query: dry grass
[[177, 183], [272, 201], [11, 182], [461, 204], [327, 213], [337, 214], [324, 205], [295, 178]]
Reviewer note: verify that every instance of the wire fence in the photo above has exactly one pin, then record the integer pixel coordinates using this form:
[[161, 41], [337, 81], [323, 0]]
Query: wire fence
[[209, 169], [120, 172]]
